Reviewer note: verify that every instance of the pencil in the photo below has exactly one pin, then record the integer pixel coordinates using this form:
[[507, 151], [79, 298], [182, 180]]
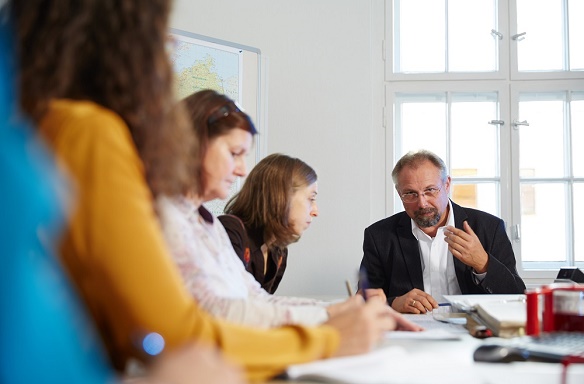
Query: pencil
[[349, 289]]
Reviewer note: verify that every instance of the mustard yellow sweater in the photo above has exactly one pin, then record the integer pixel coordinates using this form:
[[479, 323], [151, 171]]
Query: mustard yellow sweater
[[115, 253]]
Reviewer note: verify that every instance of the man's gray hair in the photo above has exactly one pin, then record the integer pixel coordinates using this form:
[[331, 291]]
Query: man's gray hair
[[414, 159]]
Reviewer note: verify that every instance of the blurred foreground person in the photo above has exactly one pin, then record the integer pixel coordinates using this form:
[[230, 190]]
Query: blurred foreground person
[[46, 337], [45, 332]]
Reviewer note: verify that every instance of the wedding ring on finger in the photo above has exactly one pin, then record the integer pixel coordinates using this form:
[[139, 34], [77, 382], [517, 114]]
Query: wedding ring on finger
[[413, 303]]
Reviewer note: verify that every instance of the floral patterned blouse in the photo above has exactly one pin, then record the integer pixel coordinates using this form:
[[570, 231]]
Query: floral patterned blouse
[[217, 278]]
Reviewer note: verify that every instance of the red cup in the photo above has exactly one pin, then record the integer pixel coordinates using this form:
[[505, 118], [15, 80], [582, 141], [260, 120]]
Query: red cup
[[569, 310], [563, 308]]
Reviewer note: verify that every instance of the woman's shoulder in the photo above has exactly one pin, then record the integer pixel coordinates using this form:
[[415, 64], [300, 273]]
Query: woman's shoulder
[[83, 118], [236, 231], [87, 134], [81, 110], [232, 223], [170, 206]]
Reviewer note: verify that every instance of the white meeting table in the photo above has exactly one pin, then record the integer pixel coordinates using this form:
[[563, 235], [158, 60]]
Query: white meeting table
[[406, 360]]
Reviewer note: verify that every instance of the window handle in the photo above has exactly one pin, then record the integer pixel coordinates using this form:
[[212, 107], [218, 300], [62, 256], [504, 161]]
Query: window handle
[[517, 123], [516, 232], [497, 33], [519, 36], [497, 122]]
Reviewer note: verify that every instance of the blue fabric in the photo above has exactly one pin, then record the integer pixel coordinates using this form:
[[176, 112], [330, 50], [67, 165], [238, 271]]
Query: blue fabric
[[45, 335]]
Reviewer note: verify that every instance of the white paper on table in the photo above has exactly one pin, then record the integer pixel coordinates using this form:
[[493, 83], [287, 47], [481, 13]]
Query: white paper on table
[[389, 364], [434, 334], [438, 363], [430, 322], [372, 367], [469, 302]]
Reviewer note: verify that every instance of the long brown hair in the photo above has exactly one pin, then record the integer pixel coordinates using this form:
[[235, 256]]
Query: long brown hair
[[263, 203], [113, 53], [213, 114]]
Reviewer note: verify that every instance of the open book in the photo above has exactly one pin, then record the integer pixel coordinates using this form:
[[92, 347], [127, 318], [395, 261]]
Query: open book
[[505, 315], [505, 319]]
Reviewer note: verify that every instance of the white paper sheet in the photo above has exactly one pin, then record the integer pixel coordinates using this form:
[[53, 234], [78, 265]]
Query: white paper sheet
[[469, 302]]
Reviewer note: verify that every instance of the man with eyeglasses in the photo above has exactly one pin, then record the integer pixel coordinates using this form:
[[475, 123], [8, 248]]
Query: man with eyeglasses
[[436, 247]]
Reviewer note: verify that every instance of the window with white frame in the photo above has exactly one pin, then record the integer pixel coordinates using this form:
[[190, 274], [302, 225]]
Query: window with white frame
[[445, 123], [496, 88], [549, 133]]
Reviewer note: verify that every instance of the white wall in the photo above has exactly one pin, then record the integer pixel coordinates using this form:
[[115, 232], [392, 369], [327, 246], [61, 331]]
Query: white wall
[[325, 99]]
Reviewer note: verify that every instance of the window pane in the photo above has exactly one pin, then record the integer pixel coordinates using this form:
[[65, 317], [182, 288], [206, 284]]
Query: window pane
[[578, 221], [543, 221], [541, 144], [575, 12], [577, 124], [421, 122], [419, 36], [483, 196], [470, 114], [541, 48], [471, 46]]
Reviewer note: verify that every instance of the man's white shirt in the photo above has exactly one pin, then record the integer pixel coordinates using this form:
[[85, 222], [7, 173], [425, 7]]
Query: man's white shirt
[[438, 271]]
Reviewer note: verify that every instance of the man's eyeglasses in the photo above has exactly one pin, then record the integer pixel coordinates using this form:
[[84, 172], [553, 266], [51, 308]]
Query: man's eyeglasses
[[410, 197]]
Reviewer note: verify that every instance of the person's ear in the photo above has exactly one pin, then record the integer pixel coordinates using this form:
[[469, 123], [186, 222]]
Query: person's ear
[[447, 184]]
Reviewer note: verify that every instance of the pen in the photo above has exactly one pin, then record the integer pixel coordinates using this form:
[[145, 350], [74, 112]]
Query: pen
[[349, 288], [363, 282], [444, 304]]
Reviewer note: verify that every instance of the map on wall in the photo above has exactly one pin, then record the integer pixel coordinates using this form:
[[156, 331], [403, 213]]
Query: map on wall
[[200, 64]]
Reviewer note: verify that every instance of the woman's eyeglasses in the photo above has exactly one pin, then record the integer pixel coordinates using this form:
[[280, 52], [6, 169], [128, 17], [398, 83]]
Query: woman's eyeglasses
[[410, 197], [222, 112], [227, 110]]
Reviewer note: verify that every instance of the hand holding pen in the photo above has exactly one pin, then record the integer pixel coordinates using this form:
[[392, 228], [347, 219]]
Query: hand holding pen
[[354, 299], [365, 289], [350, 304], [362, 325], [375, 298]]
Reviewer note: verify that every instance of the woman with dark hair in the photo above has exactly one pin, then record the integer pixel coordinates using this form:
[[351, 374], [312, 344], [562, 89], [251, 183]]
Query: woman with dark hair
[[197, 240], [95, 77]]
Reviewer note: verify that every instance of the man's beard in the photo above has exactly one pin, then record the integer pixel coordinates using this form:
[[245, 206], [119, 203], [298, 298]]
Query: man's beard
[[425, 221]]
